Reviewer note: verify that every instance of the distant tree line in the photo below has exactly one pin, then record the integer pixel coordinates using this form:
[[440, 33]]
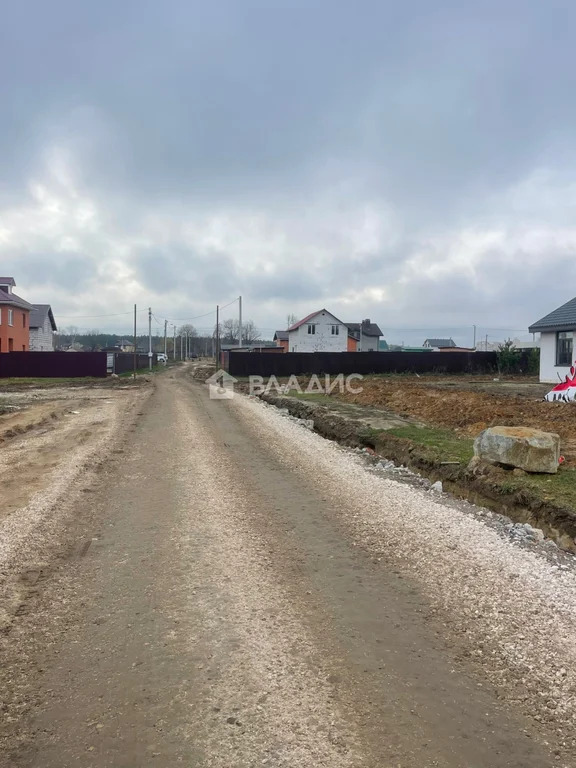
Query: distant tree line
[[204, 345]]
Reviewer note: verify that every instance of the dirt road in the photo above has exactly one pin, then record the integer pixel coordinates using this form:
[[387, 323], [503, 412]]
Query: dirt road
[[231, 590]]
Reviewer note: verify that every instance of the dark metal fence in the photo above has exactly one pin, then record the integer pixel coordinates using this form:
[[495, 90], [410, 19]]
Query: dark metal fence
[[261, 364], [52, 365], [124, 361]]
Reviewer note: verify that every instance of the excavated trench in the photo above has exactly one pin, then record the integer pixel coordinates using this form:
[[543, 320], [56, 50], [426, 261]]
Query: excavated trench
[[483, 484]]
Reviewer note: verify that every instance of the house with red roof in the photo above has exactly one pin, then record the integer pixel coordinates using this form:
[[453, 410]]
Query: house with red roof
[[322, 331], [318, 332]]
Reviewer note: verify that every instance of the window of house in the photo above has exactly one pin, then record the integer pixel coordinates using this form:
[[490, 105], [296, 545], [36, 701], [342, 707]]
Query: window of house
[[0, 315], [10, 317], [335, 330], [23, 319], [564, 348], [311, 328]]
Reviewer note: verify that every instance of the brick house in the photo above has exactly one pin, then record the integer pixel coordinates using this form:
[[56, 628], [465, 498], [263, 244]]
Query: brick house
[[14, 319]]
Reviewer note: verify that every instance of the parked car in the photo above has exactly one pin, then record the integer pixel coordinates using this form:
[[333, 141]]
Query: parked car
[[192, 356], [162, 358]]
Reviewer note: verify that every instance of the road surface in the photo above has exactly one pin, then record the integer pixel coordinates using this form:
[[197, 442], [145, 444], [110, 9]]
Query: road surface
[[237, 592]]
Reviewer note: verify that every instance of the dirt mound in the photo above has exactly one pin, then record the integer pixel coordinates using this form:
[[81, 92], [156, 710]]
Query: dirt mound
[[469, 412]]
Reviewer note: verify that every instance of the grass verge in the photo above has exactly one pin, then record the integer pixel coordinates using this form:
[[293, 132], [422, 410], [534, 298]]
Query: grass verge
[[441, 444]]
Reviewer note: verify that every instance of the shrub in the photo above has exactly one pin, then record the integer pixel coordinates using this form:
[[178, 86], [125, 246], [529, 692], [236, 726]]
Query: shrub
[[508, 357]]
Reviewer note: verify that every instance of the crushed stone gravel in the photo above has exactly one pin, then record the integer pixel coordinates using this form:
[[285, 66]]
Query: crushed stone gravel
[[514, 604]]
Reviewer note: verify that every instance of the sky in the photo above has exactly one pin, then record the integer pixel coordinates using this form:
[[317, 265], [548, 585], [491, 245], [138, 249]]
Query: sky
[[410, 163]]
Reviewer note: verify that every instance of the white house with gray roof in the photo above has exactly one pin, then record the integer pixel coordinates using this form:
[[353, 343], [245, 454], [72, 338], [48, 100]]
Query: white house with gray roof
[[366, 334], [42, 328], [557, 332]]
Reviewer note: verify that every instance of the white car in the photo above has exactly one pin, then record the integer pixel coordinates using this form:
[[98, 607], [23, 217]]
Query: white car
[[162, 358]]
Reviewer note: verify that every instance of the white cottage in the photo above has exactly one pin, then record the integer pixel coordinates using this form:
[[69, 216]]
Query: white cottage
[[557, 332], [42, 328], [318, 332]]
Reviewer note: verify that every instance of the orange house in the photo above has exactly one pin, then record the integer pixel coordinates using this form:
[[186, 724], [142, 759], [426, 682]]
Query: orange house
[[14, 319], [281, 339]]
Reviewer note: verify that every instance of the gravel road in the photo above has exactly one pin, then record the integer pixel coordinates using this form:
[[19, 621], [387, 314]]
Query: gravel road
[[234, 591]]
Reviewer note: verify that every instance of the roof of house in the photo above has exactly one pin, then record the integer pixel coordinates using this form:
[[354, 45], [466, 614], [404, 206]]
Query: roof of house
[[7, 281], [439, 343], [563, 318], [39, 314], [281, 336], [309, 317], [368, 329], [11, 298]]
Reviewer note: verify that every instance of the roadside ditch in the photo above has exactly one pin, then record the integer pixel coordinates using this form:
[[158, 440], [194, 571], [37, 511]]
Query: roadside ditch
[[439, 455]]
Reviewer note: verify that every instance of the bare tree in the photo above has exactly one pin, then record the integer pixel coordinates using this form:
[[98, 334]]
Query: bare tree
[[290, 320], [71, 331], [229, 332], [187, 330], [250, 333]]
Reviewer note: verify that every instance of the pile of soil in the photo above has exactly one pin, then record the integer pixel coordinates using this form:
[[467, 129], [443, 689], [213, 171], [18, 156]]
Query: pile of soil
[[469, 412]]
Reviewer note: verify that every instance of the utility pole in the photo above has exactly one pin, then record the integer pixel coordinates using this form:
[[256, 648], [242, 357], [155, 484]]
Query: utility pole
[[474, 337], [135, 344], [149, 338], [165, 339], [360, 338], [186, 347], [486, 348], [174, 347], [181, 346], [217, 335], [239, 321]]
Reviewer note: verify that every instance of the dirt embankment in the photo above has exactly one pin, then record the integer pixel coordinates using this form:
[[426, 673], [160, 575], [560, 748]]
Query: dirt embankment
[[468, 407], [483, 484]]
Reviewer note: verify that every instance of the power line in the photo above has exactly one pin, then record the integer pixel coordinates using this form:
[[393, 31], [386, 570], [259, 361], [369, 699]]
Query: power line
[[90, 317], [198, 317]]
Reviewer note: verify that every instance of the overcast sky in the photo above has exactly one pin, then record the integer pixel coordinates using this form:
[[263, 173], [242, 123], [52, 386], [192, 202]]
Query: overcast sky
[[409, 162]]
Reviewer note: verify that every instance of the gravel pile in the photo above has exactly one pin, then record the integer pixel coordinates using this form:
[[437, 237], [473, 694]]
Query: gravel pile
[[508, 594]]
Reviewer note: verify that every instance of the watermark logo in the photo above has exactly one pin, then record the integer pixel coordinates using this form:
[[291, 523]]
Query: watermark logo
[[221, 385], [321, 385]]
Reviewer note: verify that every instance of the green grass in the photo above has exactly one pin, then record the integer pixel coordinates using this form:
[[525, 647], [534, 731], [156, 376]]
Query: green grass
[[440, 444], [559, 488], [443, 445], [160, 368]]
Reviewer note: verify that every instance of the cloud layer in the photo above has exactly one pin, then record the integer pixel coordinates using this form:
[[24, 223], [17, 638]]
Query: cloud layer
[[411, 164]]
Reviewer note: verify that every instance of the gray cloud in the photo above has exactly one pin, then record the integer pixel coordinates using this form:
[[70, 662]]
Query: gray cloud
[[409, 162]]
